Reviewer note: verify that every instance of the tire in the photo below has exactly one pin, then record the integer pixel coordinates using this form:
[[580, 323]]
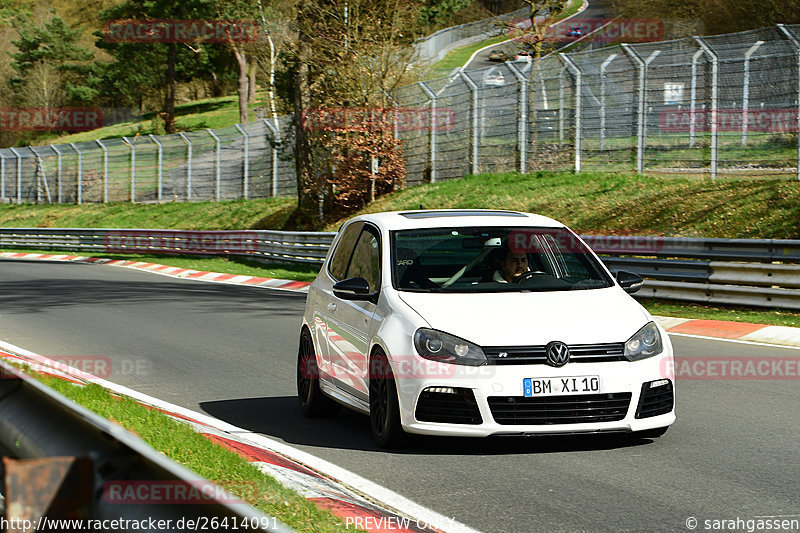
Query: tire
[[384, 410], [313, 402], [651, 433]]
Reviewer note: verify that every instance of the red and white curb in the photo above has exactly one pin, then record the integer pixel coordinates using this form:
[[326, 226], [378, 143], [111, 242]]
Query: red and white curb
[[361, 503], [164, 270], [736, 331]]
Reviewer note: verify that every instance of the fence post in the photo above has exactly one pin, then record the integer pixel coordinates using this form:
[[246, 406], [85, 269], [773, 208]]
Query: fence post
[[188, 143], [432, 153], [133, 169], [796, 42], [746, 88], [58, 159], [561, 105], [274, 145], [41, 178], [218, 171], [641, 126], [473, 89], [522, 121], [693, 96], [603, 68], [2, 175], [714, 102], [578, 89], [246, 158], [19, 174], [160, 165], [105, 170], [80, 173]]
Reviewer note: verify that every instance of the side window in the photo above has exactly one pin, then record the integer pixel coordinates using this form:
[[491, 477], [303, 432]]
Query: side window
[[341, 256], [366, 260]]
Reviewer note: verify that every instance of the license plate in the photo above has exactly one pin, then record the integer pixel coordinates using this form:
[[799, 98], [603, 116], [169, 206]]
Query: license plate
[[566, 385]]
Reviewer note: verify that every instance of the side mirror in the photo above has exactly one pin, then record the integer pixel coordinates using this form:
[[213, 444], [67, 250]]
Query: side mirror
[[629, 281], [354, 289]]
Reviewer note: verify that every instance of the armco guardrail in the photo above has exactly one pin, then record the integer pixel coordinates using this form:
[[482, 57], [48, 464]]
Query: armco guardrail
[[63, 462], [754, 272]]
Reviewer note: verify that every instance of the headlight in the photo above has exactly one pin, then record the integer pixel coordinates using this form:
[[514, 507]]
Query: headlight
[[444, 348], [645, 343]]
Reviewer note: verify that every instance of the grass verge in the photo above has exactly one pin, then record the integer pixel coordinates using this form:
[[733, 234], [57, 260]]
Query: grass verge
[[212, 461]]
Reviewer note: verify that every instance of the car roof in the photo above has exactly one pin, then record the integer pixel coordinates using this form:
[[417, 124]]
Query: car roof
[[449, 218]]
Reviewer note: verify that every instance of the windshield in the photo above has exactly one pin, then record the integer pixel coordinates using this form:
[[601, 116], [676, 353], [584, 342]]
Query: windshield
[[493, 259]]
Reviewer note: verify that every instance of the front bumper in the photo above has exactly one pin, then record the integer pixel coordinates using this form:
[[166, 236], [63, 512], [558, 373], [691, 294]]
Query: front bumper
[[499, 406]]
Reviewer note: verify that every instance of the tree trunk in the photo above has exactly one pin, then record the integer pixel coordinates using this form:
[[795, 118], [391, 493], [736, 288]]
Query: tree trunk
[[251, 93], [307, 186], [244, 86], [169, 101]]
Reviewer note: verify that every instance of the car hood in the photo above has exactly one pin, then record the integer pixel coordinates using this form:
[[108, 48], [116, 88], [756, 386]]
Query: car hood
[[532, 318]]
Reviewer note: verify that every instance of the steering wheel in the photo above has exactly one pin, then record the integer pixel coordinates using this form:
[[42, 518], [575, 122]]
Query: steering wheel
[[527, 275]]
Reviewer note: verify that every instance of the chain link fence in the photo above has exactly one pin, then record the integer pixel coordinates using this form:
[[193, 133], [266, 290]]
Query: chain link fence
[[725, 105]]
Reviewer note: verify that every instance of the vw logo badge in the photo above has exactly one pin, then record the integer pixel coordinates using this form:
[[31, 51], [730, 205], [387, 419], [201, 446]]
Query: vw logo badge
[[557, 354]]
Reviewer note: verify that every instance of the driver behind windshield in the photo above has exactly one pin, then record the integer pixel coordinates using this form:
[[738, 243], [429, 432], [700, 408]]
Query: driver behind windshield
[[510, 265]]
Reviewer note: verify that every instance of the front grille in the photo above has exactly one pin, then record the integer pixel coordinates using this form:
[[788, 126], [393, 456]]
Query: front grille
[[546, 410], [447, 408], [655, 401], [537, 355]]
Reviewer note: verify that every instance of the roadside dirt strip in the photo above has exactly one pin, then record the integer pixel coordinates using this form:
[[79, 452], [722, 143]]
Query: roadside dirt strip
[[718, 329]]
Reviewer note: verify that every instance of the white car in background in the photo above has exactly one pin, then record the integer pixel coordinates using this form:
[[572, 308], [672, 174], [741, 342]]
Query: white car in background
[[413, 321]]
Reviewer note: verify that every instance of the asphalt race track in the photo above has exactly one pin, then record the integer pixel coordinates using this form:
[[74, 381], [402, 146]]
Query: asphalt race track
[[230, 351]]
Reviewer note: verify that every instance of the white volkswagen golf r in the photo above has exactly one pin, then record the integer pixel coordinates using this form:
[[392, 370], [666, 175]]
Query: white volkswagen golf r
[[477, 323]]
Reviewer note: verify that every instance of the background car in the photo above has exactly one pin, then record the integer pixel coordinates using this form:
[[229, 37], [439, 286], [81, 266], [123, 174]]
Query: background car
[[478, 323], [497, 55], [523, 56], [575, 31]]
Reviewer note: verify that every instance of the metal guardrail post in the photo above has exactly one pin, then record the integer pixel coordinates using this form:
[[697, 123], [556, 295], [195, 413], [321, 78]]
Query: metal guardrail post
[[19, 174], [133, 169], [246, 176], [796, 42], [714, 103], [746, 88], [473, 89], [218, 172], [578, 90], [188, 143], [432, 152], [693, 97], [59, 169], [522, 120], [105, 170], [79, 179], [274, 145], [641, 123], [603, 68], [160, 165]]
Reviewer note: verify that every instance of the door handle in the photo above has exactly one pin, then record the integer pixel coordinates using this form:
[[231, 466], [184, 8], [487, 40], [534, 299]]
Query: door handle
[[331, 306]]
